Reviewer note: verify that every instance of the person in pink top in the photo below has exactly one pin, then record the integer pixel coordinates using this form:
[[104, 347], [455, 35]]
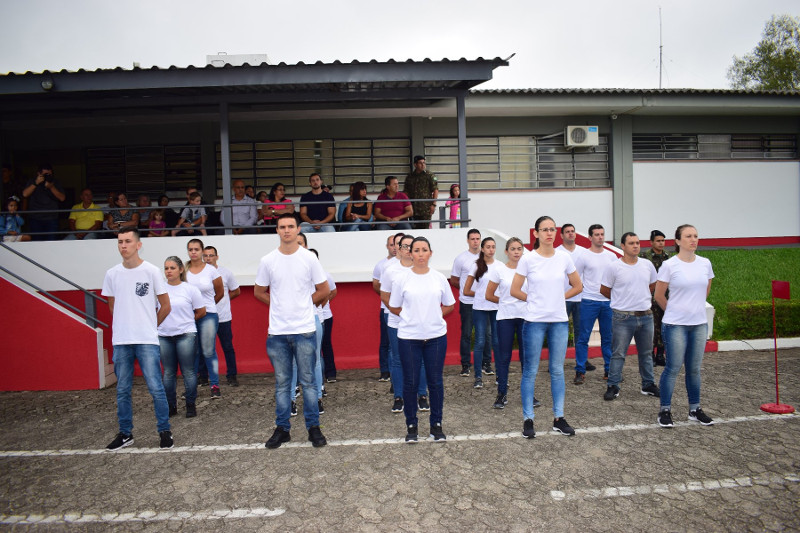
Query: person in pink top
[[453, 206]]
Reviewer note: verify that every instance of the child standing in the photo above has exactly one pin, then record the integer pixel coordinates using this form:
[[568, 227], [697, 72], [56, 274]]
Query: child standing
[[454, 206], [157, 224], [11, 223]]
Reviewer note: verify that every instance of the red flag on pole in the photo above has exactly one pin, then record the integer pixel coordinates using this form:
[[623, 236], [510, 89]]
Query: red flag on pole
[[780, 289]]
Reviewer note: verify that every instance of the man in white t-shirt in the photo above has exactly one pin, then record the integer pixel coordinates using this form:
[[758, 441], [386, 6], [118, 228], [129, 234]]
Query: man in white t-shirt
[[462, 265], [629, 282], [230, 290], [290, 272], [134, 290], [383, 347], [573, 304], [594, 306]]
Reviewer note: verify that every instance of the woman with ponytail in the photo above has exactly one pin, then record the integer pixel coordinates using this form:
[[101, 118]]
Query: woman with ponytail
[[484, 312]]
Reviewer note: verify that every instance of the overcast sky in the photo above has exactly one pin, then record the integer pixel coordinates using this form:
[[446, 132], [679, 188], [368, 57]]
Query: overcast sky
[[570, 44]]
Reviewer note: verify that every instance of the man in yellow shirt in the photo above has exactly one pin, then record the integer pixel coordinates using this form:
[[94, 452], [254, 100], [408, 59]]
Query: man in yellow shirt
[[85, 218]]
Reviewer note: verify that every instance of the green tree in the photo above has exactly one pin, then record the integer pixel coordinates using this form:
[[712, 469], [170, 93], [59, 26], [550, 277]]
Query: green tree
[[774, 64]]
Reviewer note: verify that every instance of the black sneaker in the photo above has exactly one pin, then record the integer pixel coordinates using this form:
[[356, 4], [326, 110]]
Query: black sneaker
[[699, 416], [215, 394], [173, 410], [397, 406], [500, 402], [293, 412], [478, 383], [560, 425], [202, 382], [331, 380], [233, 381], [278, 437], [316, 437], [611, 392], [659, 360], [166, 440], [536, 403], [411, 434], [384, 376], [590, 367], [464, 370], [487, 369], [437, 434], [651, 390], [527, 429], [321, 408], [120, 441], [324, 392], [422, 404], [665, 419], [191, 410]]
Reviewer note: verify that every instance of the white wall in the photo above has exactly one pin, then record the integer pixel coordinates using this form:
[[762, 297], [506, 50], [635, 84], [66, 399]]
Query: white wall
[[723, 199]]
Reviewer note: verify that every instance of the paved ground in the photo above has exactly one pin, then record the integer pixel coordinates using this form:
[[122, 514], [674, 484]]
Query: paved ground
[[621, 472]]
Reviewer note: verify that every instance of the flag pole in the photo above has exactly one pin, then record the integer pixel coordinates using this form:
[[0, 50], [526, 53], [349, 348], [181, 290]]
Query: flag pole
[[782, 289]]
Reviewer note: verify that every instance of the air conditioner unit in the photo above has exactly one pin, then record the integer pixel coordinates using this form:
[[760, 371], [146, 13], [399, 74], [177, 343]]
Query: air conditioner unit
[[576, 136]]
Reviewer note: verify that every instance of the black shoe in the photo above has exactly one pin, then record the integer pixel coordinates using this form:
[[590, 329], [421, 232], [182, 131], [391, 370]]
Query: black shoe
[[411, 434], [437, 434], [324, 392], [201, 382], [321, 408], [590, 367], [384, 376], [278, 437], [611, 392], [166, 440], [173, 410], [527, 429], [233, 381], [316, 437], [120, 441], [487, 369], [560, 425], [500, 402], [422, 404], [293, 412], [665, 419], [215, 394], [331, 380], [397, 406], [660, 360], [191, 410], [699, 416], [478, 383], [651, 390], [536, 403], [464, 370], [580, 378]]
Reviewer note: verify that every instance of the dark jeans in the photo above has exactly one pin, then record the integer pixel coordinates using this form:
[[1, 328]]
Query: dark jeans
[[574, 309], [327, 349], [383, 348], [225, 334], [412, 354], [506, 330]]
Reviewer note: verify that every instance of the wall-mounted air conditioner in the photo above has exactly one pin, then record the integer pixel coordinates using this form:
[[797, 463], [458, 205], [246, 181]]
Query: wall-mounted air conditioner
[[577, 136]]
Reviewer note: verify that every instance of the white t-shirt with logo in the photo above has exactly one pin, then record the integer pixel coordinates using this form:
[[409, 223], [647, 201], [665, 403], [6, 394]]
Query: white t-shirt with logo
[[291, 279], [135, 292], [391, 273], [479, 288], [509, 307], [688, 287], [229, 283], [183, 300], [576, 255], [593, 267], [204, 281], [545, 277], [421, 297], [630, 284], [461, 267]]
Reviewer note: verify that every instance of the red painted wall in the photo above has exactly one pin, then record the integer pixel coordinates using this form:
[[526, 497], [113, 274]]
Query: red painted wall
[[42, 348]]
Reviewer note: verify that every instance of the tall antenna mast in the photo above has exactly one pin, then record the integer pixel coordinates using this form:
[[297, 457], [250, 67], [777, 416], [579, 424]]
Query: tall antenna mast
[[660, 48]]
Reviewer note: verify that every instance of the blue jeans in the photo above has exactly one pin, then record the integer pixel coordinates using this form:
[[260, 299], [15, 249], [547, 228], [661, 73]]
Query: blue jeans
[[179, 350], [287, 352], [396, 367], [413, 354], [465, 311], [358, 225], [684, 345], [574, 309], [225, 334], [305, 227], [89, 236], [626, 327], [318, 361], [506, 329], [149, 359], [484, 320], [207, 347], [383, 347], [533, 334], [592, 310]]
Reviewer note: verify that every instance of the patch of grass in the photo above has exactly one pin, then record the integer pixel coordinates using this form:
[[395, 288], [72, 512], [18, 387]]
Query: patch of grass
[[745, 275]]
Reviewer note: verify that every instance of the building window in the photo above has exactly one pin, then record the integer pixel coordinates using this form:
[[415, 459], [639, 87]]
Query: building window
[[713, 147]]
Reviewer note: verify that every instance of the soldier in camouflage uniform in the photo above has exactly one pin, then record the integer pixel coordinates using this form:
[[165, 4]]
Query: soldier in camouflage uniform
[[657, 255], [421, 184]]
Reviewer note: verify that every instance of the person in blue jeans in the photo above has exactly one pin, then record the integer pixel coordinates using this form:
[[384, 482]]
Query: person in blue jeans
[[545, 316], [297, 283], [484, 312], [685, 325], [594, 306], [134, 290], [230, 291], [422, 298]]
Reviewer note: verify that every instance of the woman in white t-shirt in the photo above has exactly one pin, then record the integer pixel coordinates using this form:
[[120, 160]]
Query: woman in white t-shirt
[[208, 281], [177, 335], [684, 326], [422, 298], [545, 314], [484, 312]]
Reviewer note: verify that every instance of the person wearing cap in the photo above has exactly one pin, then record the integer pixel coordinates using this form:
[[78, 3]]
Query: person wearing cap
[[420, 185]]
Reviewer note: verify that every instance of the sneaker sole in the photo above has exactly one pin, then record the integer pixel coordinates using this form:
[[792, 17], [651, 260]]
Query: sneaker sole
[[168, 447], [411, 441], [664, 425], [524, 436], [397, 410], [563, 432], [499, 406], [646, 393], [694, 419], [443, 439]]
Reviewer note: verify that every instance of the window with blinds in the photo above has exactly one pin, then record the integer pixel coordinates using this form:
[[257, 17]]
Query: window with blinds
[[713, 146]]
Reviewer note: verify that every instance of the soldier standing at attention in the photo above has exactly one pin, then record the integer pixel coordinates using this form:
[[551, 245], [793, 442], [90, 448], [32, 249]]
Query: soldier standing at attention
[[421, 184], [657, 255]]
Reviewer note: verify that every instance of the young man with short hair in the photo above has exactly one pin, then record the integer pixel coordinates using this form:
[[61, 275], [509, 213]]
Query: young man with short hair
[[568, 235], [138, 301], [383, 346], [230, 290]]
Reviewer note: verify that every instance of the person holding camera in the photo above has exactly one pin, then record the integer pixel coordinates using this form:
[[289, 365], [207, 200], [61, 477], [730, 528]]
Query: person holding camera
[[43, 193]]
